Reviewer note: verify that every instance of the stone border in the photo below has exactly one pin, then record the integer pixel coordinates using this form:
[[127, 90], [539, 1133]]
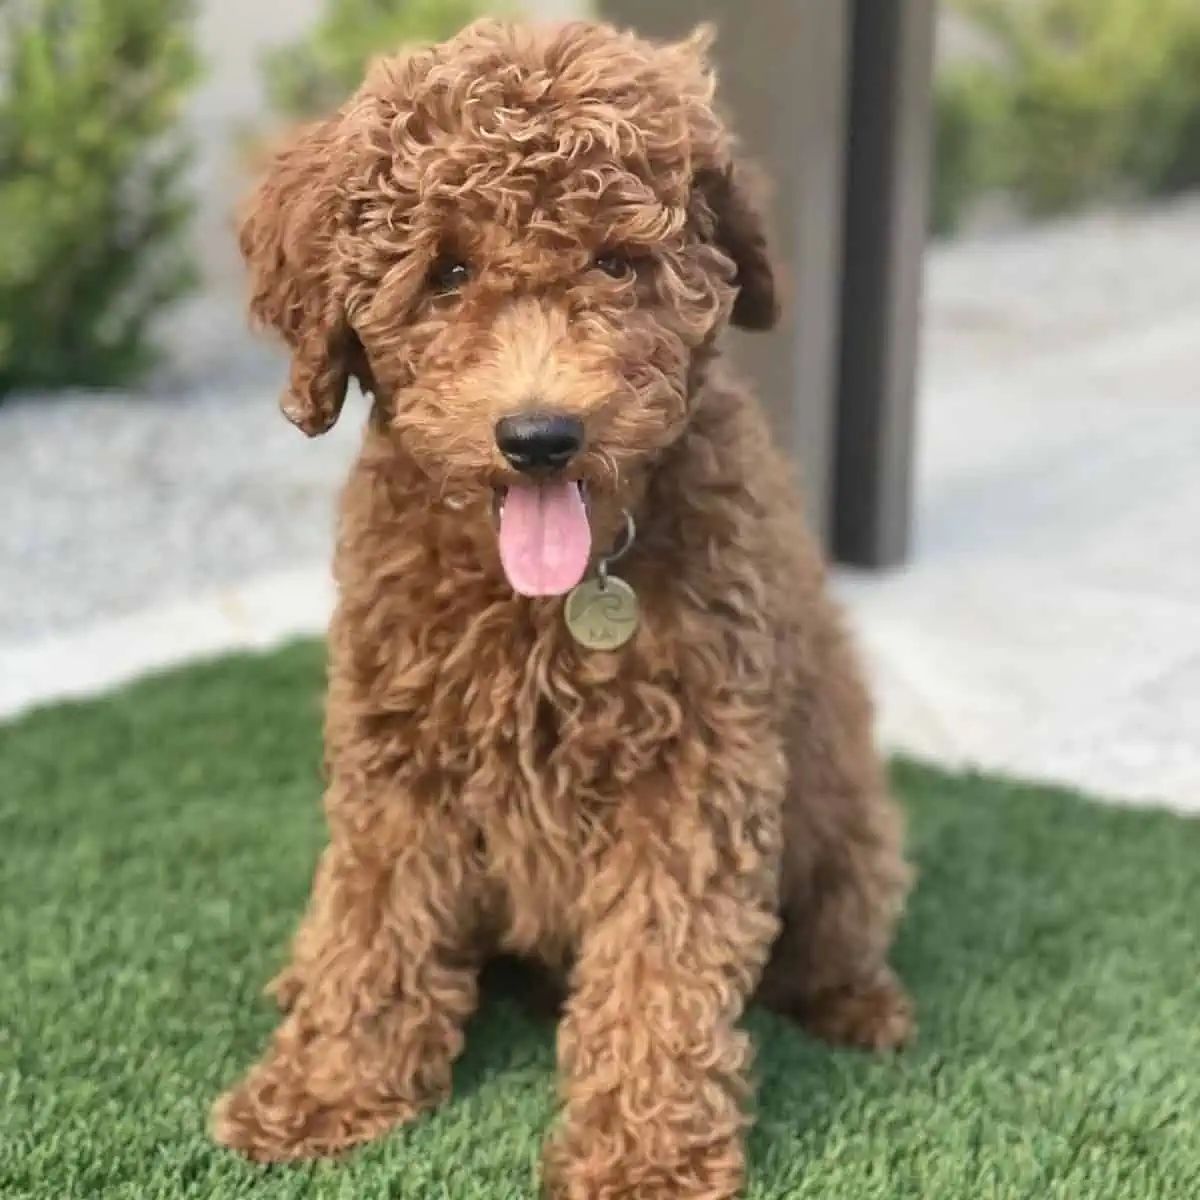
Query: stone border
[[257, 614], [262, 613]]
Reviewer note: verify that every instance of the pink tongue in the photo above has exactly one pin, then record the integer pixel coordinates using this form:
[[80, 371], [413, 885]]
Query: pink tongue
[[545, 539]]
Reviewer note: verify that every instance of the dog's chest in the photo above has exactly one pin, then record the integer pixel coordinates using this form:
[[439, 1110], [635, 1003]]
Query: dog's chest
[[544, 802], [538, 743], [553, 744]]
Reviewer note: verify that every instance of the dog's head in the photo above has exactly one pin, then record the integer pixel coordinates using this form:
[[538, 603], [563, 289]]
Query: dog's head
[[523, 244]]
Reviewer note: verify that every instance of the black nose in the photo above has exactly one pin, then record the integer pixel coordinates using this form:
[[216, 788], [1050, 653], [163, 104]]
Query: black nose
[[539, 441]]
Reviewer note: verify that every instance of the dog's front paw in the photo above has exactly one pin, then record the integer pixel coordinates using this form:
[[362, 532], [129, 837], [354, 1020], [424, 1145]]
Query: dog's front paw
[[278, 1119], [714, 1172]]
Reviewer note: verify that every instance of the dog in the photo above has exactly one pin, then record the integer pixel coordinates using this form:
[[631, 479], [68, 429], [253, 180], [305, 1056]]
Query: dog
[[589, 700]]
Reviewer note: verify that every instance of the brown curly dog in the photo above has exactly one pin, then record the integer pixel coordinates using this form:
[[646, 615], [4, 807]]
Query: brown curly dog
[[524, 245]]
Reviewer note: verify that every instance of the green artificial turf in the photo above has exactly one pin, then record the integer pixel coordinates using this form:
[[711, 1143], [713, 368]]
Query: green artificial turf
[[155, 852]]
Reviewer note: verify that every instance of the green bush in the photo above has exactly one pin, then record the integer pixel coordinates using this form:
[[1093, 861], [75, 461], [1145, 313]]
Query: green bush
[[318, 72], [92, 204], [1079, 100], [968, 123]]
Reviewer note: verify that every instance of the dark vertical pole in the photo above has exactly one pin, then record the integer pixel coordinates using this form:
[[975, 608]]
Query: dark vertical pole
[[885, 234], [782, 75]]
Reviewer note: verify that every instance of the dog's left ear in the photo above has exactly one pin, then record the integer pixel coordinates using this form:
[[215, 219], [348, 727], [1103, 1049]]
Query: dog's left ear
[[729, 194], [733, 198]]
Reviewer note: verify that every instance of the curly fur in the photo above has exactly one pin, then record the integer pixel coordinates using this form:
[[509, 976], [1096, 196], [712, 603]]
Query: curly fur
[[675, 827]]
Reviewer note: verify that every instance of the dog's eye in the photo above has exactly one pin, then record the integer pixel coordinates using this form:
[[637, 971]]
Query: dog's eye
[[614, 263], [448, 274]]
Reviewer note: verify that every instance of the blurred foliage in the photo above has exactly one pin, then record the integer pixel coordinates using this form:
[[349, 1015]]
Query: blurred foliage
[[1075, 100], [968, 130], [93, 201], [316, 73]]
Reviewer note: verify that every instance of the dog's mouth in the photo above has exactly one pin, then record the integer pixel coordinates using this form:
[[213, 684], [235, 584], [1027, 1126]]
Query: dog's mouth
[[545, 534]]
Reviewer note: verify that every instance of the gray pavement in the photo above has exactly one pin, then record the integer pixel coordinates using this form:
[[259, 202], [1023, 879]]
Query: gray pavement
[[1050, 621]]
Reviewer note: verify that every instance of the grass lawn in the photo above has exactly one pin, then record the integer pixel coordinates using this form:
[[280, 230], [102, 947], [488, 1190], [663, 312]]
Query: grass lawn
[[155, 851]]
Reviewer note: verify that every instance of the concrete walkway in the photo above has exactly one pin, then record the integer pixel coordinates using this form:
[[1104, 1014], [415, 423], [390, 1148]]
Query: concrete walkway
[[1050, 623]]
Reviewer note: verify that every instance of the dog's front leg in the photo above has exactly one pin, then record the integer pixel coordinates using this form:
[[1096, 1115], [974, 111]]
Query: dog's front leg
[[380, 985], [678, 926]]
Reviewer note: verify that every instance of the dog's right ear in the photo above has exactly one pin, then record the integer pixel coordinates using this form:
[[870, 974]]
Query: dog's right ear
[[734, 196], [287, 236]]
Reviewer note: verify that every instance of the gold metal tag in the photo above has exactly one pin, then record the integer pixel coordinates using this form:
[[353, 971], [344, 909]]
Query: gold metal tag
[[602, 614]]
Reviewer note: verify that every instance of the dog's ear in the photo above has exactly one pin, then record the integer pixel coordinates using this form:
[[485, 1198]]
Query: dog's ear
[[732, 192], [735, 201], [287, 235]]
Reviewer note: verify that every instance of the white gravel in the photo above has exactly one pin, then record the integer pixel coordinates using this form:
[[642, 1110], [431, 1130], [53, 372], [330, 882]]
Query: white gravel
[[114, 503]]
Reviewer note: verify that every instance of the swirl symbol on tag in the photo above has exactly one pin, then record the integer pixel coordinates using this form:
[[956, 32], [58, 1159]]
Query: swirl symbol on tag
[[602, 614]]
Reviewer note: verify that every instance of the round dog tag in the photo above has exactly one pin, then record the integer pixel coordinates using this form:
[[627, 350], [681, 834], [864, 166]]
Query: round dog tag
[[602, 614]]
